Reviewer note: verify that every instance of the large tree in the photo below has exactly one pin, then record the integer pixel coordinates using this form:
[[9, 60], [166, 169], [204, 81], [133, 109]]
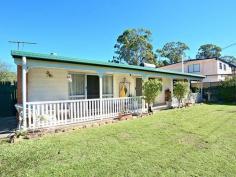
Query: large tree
[[161, 63], [229, 59], [173, 51], [133, 47], [208, 51]]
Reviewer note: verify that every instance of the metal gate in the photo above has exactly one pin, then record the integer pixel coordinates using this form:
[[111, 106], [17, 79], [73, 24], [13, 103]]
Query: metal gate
[[8, 99]]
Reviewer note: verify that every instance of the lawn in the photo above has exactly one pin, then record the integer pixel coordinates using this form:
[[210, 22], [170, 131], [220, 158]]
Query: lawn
[[195, 141]]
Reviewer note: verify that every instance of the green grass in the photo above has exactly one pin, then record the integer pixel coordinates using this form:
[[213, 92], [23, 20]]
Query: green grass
[[195, 141]]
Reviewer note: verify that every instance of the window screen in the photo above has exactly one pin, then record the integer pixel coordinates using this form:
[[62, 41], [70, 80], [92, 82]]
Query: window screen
[[107, 86], [190, 68], [196, 68], [76, 84]]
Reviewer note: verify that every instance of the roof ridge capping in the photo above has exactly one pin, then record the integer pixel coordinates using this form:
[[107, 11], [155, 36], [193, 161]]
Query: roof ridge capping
[[58, 58]]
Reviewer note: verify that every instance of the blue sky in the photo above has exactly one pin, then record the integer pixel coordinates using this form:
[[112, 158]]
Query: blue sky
[[88, 29]]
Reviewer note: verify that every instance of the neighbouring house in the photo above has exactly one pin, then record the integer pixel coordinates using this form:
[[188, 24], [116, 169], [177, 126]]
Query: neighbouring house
[[215, 69], [55, 90]]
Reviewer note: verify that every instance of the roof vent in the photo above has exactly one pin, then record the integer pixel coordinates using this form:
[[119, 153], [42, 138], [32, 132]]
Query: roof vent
[[53, 53], [148, 65]]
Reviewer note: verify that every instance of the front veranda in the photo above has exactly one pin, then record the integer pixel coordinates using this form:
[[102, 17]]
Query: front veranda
[[58, 96], [56, 93]]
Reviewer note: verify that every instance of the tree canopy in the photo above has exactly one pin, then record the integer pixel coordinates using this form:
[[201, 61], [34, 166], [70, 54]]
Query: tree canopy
[[161, 63], [229, 59], [208, 51], [173, 51], [133, 47], [5, 73]]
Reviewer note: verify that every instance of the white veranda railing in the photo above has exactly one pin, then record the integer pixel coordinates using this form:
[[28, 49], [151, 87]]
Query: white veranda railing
[[53, 113]]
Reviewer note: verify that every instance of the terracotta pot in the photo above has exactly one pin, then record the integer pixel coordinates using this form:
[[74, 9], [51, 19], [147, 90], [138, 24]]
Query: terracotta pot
[[125, 116]]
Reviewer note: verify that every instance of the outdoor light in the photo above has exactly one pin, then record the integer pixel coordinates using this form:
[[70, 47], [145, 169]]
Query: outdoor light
[[49, 74], [69, 78]]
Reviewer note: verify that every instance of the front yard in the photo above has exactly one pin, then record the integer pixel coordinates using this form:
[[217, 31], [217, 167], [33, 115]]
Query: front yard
[[195, 141]]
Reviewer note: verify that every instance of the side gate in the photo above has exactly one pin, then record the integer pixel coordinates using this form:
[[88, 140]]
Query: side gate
[[8, 92]]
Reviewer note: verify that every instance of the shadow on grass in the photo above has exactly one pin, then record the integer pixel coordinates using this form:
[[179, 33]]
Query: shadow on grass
[[222, 103]]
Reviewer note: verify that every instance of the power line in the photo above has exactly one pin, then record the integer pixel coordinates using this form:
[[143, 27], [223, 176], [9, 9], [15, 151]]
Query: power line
[[21, 43], [233, 44]]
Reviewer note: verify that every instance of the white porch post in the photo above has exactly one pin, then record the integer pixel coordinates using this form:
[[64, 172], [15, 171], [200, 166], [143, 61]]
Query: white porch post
[[172, 90], [201, 91], [85, 87], [24, 71], [100, 92], [144, 79], [172, 86]]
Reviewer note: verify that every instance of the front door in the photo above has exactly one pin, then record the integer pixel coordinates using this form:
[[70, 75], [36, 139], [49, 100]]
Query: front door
[[92, 86], [138, 86]]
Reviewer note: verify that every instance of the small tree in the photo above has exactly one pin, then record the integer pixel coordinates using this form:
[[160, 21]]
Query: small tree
[[181, 90], [151, 89]]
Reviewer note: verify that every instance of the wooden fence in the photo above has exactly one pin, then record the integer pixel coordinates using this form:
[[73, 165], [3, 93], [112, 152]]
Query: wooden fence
[[8, 98]]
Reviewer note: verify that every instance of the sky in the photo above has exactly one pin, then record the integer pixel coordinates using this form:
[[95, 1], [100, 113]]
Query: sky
[[88, 29]]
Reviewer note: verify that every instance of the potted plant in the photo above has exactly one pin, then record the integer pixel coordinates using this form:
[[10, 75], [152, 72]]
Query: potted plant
[[125, 115]]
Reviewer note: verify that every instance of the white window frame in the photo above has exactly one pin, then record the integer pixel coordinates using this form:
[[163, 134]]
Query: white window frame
[[192, 68], [108, 95], [81, 96]]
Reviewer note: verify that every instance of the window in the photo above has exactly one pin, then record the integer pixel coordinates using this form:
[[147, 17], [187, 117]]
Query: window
[[220, 65], [76, 85], [225, 67], [194, 68], [190, 68], [138, 87], [107, 86]]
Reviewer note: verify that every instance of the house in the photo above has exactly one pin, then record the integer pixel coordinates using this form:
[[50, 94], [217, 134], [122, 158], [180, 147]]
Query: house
[[215, 69], [55, 90]]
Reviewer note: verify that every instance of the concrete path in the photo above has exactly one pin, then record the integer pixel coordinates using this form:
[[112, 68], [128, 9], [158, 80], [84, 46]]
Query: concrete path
[[7, 126]]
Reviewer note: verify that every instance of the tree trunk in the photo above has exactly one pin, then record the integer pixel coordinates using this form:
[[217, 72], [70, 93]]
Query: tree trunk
[[179, 103], [149, 108]]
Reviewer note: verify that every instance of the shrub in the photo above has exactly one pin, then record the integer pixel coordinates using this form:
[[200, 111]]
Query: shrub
[[227, 90], [151, 89], [181, 90]]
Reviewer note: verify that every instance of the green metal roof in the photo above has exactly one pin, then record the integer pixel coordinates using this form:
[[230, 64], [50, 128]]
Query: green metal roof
[[50, 57]]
